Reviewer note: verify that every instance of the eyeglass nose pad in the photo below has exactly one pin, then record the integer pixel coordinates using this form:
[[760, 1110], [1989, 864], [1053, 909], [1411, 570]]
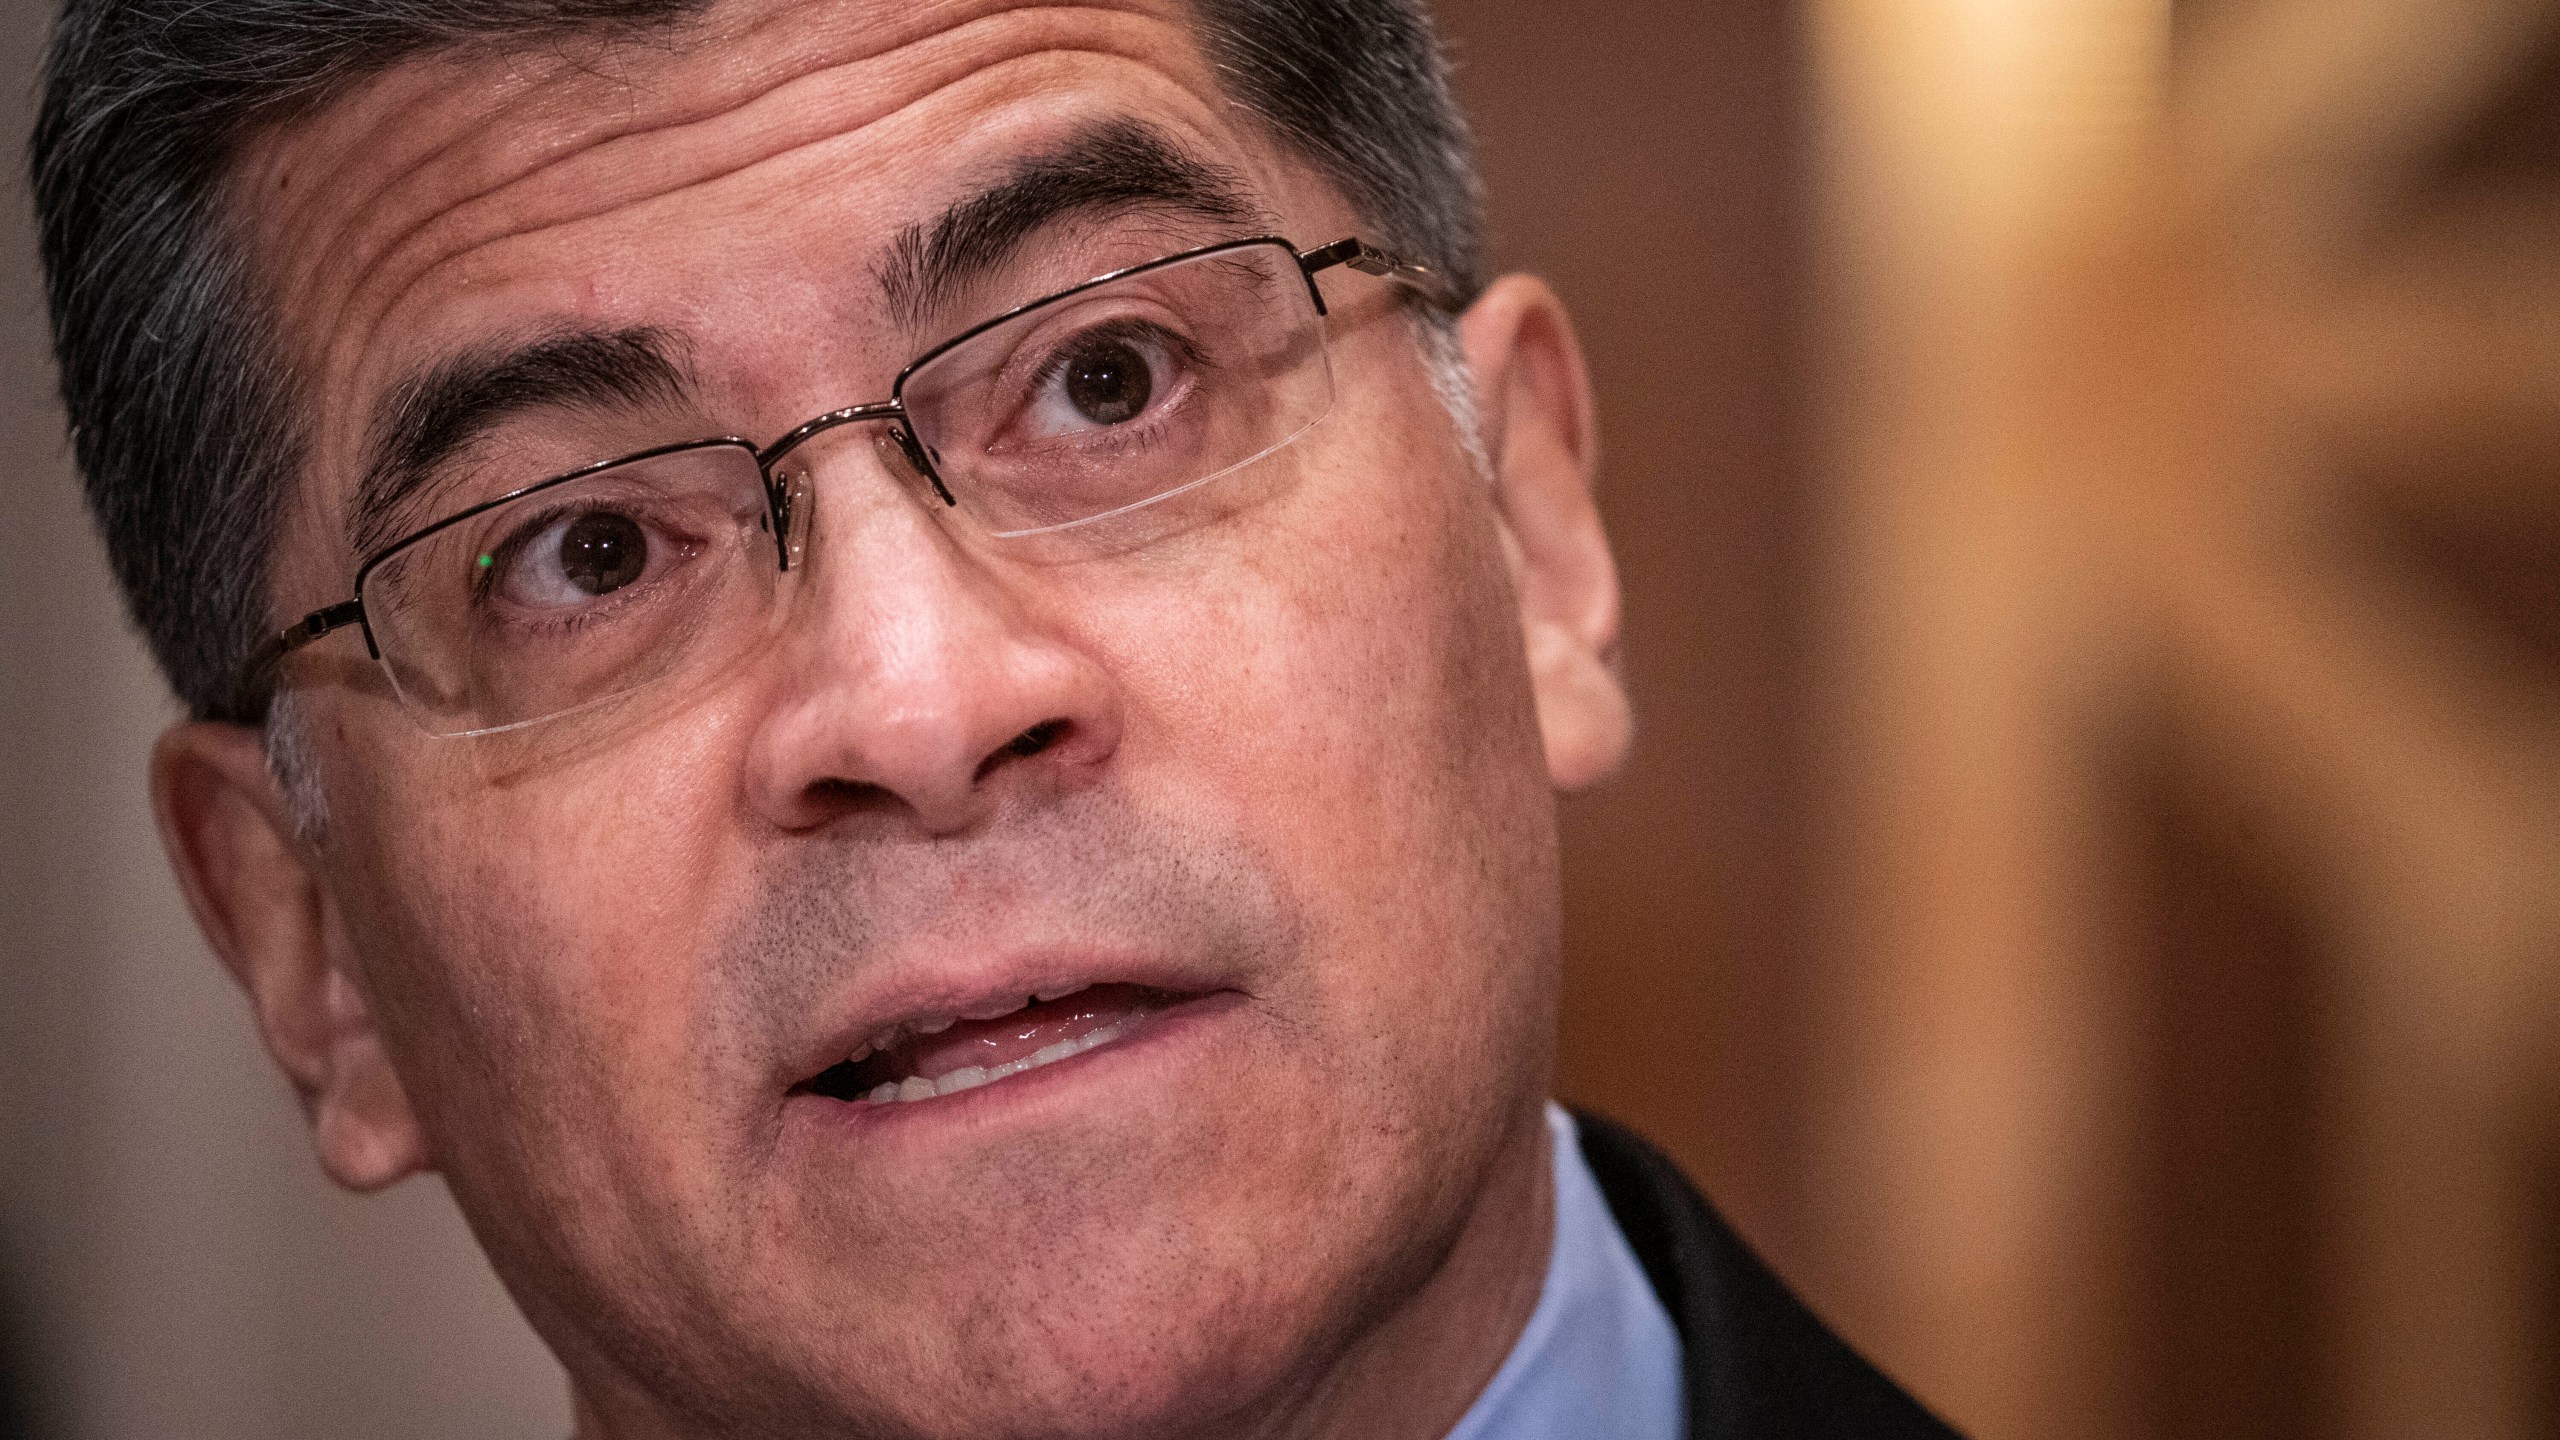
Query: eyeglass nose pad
[[791, 508], [897, 443]]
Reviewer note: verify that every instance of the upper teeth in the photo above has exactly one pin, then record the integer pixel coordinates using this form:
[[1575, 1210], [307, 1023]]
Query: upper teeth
[[995, 1008], [969, 1077]]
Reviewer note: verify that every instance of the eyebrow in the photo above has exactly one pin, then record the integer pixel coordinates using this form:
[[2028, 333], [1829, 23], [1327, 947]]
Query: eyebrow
[[430, 418], [1119, 165]]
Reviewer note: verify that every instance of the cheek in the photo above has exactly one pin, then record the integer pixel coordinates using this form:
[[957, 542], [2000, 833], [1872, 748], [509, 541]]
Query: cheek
[[1347, 682], [532, 947]]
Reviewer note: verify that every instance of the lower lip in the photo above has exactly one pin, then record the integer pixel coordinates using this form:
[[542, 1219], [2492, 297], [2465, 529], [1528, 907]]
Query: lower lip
[[1157, 1037]]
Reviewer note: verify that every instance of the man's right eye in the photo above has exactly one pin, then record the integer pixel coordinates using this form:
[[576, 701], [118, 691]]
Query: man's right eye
[[573, 560], [1100, 380]]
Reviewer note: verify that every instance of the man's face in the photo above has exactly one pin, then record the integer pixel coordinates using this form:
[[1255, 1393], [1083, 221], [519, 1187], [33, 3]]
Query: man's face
[[1285, 824]]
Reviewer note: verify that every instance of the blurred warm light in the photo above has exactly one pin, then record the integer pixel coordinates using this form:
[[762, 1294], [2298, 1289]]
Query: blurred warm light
[[1959, 144], [1957, 131], [2191, 403]]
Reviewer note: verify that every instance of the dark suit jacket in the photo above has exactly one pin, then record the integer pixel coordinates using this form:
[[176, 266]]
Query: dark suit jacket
[[1756, 1363]]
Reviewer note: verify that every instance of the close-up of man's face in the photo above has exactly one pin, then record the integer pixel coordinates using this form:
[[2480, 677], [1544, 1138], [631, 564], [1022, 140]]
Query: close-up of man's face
[[1066, 960]]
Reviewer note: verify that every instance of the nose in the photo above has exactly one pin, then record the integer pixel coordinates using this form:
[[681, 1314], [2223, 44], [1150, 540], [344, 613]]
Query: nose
[[917, 679]]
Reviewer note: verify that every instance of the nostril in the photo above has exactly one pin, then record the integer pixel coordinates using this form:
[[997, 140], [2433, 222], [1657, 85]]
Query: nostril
[[1030, 742], [836, 795], [1038, 738]]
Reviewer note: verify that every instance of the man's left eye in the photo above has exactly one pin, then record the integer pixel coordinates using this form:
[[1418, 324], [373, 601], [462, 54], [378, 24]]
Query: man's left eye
[[1101, 379], [573, 560]]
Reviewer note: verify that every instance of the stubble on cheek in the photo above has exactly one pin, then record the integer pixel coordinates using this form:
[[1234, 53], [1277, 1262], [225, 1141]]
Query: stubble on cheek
[[635, 1193], [1089, 871], [526, 959], [1450, 820]]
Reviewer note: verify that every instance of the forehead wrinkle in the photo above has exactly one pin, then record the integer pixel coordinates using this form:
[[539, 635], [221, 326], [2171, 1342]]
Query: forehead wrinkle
[[464, 251], [503, 147], [563, 89], [430, 247], [738, 141]]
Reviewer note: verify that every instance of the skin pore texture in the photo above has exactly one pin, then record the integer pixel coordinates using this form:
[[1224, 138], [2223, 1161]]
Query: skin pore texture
[[1300, 762]]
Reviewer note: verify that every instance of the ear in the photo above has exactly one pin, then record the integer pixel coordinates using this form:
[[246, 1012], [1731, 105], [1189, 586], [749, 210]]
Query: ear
[[257, 894], [1535, 402]]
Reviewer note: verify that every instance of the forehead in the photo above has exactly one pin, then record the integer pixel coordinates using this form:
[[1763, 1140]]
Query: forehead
[[732, 170]]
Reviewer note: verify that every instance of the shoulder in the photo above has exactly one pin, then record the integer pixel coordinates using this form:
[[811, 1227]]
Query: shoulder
[[1756, 1362]]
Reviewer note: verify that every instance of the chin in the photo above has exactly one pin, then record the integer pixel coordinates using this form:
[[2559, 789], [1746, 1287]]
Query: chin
[[1176, 1271]]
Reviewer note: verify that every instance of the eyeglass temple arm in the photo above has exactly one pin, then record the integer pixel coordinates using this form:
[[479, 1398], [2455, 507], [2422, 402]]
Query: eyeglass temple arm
[[1369, 259], [302, 632]]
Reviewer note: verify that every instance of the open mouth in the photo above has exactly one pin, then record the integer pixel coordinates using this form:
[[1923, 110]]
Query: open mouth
[[930, 1056]]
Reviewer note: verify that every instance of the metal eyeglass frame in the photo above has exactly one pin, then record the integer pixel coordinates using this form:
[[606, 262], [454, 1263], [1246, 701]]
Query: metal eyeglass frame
[[1351, 251]]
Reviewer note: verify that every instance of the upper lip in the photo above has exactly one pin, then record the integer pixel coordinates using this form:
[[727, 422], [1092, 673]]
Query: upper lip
[[891, 999]]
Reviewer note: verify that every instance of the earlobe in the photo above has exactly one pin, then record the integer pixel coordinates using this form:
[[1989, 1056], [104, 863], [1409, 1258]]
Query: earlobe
[[1541, 437], [258, 897]]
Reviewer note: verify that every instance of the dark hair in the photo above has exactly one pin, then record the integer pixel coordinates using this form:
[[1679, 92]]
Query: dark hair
[[184, 418]]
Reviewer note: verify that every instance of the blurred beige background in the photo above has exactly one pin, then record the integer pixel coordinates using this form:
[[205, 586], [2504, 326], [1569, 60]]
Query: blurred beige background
[[2087, 895]]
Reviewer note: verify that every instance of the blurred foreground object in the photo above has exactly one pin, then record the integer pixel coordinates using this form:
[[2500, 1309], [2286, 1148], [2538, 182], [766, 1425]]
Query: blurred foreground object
[[2192, 551]]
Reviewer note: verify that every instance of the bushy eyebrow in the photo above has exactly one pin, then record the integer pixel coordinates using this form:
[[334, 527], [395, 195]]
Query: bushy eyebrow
[[1117, 165], [430, 418]]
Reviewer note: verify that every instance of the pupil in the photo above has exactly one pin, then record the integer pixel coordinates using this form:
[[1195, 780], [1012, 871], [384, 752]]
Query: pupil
[[602, 552], [1108, 382]]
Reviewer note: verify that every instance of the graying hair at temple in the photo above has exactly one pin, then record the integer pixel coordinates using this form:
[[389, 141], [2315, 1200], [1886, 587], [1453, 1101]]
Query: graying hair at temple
[[185, 421]]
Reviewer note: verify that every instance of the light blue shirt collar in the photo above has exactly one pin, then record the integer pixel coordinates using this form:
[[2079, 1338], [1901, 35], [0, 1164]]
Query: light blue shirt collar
[[1600, 1359]]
